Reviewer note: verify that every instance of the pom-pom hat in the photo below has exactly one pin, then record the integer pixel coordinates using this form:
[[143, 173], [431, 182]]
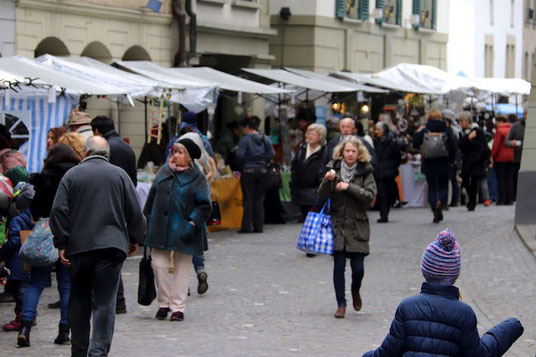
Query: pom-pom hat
[[441, 260]]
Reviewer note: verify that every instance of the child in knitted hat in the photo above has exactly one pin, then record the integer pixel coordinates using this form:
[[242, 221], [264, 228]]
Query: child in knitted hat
[[435, 322]]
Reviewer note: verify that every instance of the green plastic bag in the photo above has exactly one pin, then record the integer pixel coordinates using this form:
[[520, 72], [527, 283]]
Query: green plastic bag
[[3, 231]]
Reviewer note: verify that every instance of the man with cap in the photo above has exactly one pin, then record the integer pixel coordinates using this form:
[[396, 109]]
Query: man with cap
[[435, 322], [80, 123], [97, 222]]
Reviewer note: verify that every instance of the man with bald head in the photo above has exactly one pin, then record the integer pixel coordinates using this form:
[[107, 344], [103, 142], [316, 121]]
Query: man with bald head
[[347, 127], [97, 221]]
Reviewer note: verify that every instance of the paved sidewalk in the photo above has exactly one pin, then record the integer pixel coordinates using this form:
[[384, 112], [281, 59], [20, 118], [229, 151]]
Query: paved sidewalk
[[267, 299]]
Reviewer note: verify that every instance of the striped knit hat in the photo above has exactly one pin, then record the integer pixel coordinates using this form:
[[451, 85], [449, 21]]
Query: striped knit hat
[[441, 261]]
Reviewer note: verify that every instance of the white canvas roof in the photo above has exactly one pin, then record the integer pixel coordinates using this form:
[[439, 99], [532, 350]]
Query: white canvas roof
[[85, 67], [506, 86], [336, 81], [227, 81], [282, 76], [43, 75], [370, 79]]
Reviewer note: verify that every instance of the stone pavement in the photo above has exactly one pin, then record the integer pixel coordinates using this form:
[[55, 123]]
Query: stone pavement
[[267, 299]]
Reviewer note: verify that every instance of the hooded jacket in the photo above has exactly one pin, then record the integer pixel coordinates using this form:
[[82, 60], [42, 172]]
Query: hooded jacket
[[475, 152], [121, 154], [254, 151], [389, 156], [9, 252], [500, 152], [436, 323]]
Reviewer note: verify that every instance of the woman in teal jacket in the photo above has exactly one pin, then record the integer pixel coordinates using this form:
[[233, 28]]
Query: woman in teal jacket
[[177, 208]]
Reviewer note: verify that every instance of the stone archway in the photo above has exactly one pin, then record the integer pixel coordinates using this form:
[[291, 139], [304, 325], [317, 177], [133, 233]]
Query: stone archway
[[52, 46], [136, 53], [97, 51]]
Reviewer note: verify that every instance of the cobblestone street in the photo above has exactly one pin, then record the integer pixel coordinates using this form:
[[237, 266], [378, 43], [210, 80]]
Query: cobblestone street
[[268, 299]]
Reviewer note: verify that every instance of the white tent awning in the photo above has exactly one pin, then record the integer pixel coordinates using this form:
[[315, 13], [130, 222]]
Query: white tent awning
[[369, 79], [43, 75], [227, 81], [282, 76], [357, 87]]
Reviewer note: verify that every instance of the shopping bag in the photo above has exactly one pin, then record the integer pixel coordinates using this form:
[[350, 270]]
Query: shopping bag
[[316, 235], [38, 249], [146, 288]]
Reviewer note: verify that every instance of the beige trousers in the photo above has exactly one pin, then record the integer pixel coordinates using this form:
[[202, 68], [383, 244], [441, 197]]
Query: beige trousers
[[172, 295]]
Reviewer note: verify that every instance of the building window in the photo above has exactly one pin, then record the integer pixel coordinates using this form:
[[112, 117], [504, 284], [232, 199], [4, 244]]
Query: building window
[[491, 12], [352, 9], [512, 12], [488, 60], [526, 66], [427, 11], [529, 10], [392, 11], [510, 65]]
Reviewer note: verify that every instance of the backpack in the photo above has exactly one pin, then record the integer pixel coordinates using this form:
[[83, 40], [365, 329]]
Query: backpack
[[434, 145]]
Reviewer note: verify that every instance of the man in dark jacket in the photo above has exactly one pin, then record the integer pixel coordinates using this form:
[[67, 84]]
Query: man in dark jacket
[[122, 155], [435, 322], [475, 156], [347, 127], [97, 221], [436, 167], [515, 140], [254, 152]]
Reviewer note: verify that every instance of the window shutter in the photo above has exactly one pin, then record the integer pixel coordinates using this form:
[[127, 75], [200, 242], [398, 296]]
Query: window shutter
[[434, 14], [380, 4], [363, 9], [417, 11], [399, 12], [340, 9]]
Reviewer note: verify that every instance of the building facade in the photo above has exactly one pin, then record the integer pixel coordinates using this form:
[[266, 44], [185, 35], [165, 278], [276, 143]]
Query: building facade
[[529, 39], [359, 35], [7, 28], [230, 34], [486, 38]]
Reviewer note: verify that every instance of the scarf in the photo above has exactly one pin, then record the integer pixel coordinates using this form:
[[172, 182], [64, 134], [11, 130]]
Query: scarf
[[470, 128], [176, 168], [347, 172]]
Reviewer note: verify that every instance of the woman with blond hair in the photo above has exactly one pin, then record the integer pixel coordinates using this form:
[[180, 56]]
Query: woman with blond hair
[[75, 141], [177, 208], [305, 167], [350, 184]]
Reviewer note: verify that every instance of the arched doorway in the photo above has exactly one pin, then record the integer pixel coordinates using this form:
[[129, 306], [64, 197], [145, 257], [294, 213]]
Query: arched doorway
[[97, 51], [52, 46], [136, 53]]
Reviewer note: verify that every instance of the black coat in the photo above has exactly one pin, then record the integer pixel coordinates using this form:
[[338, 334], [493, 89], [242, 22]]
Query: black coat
[[121, 154], [305, 177], [441, 166], [436, 323], [45, 185], [475, 153], [389, 156]]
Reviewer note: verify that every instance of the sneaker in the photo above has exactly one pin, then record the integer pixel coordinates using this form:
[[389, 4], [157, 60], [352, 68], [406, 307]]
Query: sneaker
[[486, 203], [162, 312], [177, 316], [202, 285]]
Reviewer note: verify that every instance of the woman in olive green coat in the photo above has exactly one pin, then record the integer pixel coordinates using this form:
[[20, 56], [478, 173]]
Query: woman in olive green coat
[[350, 184]]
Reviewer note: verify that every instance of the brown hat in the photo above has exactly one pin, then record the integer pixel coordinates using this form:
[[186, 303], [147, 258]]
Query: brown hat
[[80, 118]]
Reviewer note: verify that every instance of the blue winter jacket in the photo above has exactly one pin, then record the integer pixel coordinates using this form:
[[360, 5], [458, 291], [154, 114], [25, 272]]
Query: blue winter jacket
[[254, 150], [9, 252], [437, 323]]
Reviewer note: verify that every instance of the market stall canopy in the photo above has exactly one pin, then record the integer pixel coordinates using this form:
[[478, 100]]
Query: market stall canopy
[[228, 81], [336, 81], [282, 76], [196, 95], [88, 68], [505, 86], [45, 76], [367, 78]]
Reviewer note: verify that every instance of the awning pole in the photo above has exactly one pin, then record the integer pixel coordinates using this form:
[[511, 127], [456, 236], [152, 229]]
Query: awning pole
[[145, 112], [517, 115]]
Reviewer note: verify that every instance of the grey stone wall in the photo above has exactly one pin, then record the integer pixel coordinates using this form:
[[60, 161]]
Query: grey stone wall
[[7, 28]]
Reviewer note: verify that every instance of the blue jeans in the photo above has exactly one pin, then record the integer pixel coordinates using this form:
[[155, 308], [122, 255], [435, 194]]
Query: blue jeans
[[358, 271], [199, 263], [438, 190], [38, 280]]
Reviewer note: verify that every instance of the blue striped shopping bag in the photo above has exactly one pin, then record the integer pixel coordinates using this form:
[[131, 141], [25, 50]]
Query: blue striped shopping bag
[[317, 232]]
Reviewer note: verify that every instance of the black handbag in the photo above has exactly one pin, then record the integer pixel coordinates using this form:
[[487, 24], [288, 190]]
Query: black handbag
[[146, 287]]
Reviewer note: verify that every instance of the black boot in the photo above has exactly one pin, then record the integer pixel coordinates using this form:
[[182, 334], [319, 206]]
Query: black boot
[[63, 335], [23, 339]]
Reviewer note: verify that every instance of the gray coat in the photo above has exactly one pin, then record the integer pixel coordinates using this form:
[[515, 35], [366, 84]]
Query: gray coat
[[96, 207], [351, 230], [517, 132]]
